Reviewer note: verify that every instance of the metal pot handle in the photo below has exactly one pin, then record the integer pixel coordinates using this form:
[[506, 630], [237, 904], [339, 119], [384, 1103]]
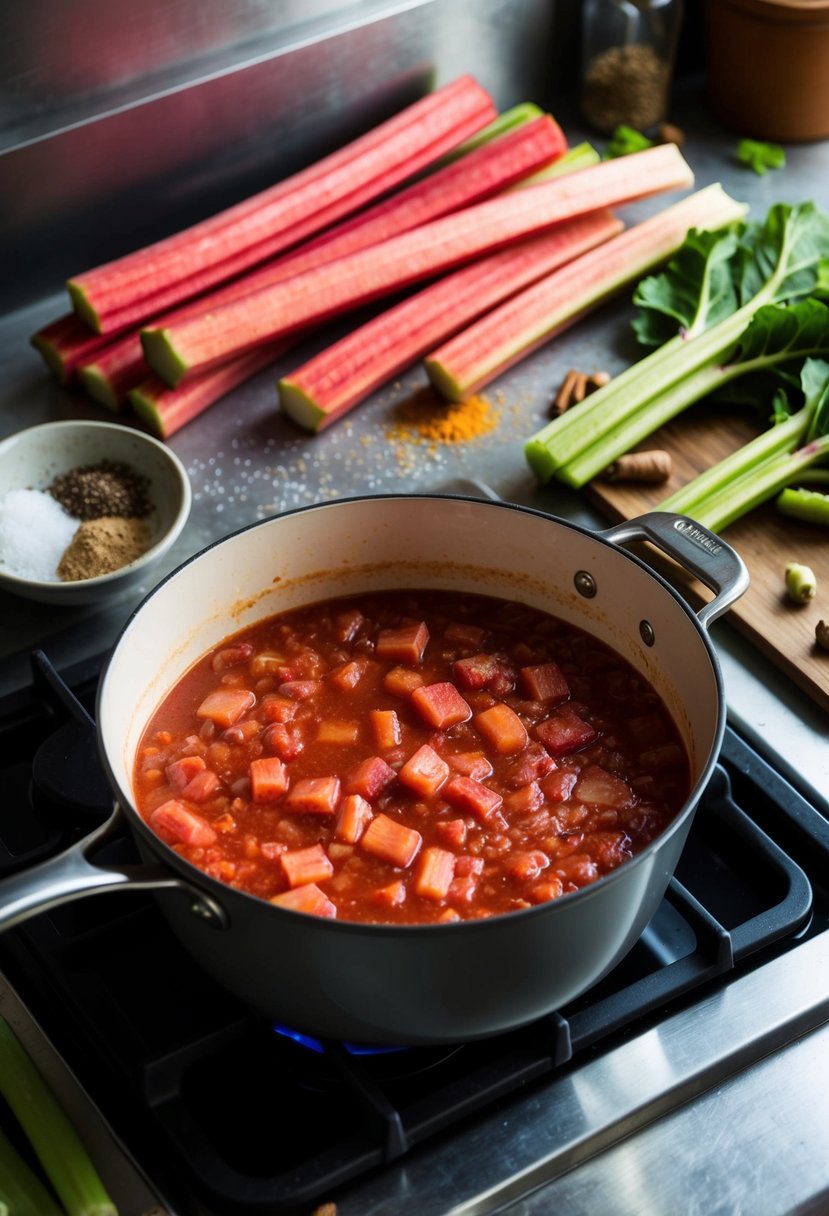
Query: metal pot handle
[[706, 555], [70, 874]]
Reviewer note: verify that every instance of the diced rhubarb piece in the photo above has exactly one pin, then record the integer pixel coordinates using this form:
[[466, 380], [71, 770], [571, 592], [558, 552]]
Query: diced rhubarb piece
[[467, 864], [471, 764], [526, 867], [339, 733], [544, 682], [452, 832], [565, 731], [228, 243], [348, 624], [402, 681], [343, 374], [164, 410], [306, 899], [368, 274], [177, 824], [524, 800], [314, 796], [202, 787], [558, 786], [226, 705], [502, 728], [601, 788], [533, 316], [277, 709], [434, 874], [386, 728], [440, 705], [460, 633], [181, 771], [405, 644], [472, 797], [391, 841], [348, 675], [370, 777], [462, 889], [268, 779], [424, 772], [390, 896], [534, 762], [303, 866], [65, 344], [354, 817]]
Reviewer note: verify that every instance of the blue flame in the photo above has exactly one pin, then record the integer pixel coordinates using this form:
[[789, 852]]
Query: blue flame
[[354, 1049]]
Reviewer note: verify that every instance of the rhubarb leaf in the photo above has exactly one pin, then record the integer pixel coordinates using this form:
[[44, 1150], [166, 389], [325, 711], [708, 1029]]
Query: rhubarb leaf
[[760, 156], [625, 140], [786, 257], [694, 292]]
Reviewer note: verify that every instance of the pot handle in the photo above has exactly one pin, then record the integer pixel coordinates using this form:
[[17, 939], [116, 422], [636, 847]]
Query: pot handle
[[70, 875], [706, 555]]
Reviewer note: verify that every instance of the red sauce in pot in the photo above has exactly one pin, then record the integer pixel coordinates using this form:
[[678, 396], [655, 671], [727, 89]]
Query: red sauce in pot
[[410, 757]]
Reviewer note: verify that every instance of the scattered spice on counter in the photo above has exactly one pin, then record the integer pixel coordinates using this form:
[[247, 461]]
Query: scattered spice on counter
[[102, 545], [625, 85], [427, 418], [34, 532], [103, 489]]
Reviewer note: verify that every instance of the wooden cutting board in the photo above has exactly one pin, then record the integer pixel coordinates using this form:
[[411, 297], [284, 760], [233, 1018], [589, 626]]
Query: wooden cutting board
[[765, 540]]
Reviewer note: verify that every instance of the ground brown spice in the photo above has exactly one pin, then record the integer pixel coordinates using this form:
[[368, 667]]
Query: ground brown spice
[[102, 545], [427, 418]]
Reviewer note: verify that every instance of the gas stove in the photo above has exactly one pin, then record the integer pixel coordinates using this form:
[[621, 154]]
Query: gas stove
[[229, 1116]]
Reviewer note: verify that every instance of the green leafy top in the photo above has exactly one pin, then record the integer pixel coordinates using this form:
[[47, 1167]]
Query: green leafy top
[[625, 140], [760, 156]]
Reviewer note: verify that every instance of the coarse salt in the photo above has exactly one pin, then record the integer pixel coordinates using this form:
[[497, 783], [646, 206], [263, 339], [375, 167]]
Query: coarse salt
[[34, 533]]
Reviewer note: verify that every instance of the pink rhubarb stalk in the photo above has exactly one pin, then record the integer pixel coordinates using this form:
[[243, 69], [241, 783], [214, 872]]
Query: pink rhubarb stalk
[[525, 322], [339, 377], [66, 343], [370, 273], [164, 410], [160, 275], [120, 366]]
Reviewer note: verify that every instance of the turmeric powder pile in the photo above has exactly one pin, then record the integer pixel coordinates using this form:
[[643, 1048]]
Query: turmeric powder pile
[[427, 418]]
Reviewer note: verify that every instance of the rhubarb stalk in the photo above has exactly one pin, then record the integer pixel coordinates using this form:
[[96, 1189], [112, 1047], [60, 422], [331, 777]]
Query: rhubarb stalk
[[160, 275], [529, 320], [194, 343]]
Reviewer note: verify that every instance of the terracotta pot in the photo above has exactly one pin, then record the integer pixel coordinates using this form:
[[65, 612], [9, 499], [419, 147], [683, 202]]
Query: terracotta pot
[[768, 67]]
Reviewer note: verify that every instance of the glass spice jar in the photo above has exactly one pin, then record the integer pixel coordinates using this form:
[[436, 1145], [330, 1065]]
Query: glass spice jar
[[628, 49]]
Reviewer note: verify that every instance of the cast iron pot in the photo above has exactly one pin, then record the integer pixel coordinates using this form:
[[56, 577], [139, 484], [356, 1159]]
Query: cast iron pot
[[412, 983]]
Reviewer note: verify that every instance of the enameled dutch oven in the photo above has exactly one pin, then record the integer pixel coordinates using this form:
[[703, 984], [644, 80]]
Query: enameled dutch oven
[[406, 983]]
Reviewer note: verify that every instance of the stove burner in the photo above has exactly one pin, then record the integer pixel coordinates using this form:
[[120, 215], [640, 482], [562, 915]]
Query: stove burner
[[353, 1049]]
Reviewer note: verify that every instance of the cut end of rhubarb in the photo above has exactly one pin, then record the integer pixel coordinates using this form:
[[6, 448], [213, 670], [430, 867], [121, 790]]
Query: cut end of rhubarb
[[98, 387], [442, 382], [50, 357], [301, 408], [145, 407], [82, 306], [540, 460], [162, 356]]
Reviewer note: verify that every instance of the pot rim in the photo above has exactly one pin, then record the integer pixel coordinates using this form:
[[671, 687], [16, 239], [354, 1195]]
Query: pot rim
[[220, 891]]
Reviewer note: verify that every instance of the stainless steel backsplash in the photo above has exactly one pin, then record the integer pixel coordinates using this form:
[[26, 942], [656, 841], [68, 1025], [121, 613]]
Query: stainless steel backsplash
[[120, 123]]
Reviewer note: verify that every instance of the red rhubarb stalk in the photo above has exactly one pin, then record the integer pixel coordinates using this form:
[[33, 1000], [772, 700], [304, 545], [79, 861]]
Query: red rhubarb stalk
[[164, 410], [371, 273], [226, 244], [526, 321], [495, 165], [66, 343], [339, 377]]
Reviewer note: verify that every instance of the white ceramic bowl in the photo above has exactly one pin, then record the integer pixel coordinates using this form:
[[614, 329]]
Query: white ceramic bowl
[[32, 459]]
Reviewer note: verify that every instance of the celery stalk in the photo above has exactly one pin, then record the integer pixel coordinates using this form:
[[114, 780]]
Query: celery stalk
[[65, 1161], [21, 1191]]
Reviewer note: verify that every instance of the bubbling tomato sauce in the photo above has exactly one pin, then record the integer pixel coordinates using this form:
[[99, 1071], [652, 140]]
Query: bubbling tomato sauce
[[410, 757]]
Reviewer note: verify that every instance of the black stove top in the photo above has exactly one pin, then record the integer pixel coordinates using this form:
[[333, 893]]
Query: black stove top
[[239, 1118]]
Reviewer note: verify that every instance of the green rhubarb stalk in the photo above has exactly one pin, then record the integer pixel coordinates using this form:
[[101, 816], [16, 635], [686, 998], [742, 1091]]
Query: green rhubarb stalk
[[57, 1145], [775, 336], [761, 485], [160, 275], [21, 1191], [710, 292], [368, 274], [507, 120], [527, 320], [581, 157], [809, 506]]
